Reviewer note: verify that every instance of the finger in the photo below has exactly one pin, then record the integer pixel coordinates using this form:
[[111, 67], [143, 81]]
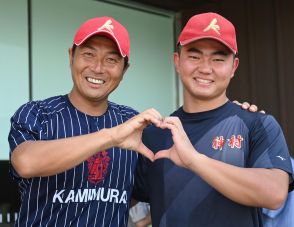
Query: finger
[[154, 120], [156, 113], [168, 125], [236, 102], [262, 111], [175, 129], [146, 152], [245, 105], [173, 121], [153, 112], [162, 154], [253, 108], [179, 136], [151, 116]]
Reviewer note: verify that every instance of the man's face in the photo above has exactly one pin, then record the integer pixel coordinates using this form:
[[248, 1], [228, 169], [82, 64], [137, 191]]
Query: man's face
[[205, 67], [97, 69]]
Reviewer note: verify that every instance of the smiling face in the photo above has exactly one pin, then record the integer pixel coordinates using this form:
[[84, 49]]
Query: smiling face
[[205, 68], [97, 69]]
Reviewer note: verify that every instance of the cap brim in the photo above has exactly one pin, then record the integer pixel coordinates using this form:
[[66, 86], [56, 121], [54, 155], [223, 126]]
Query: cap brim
[[106, 34], [182, 43]]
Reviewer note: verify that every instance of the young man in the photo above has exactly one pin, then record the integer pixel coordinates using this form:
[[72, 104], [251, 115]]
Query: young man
[[221, 164], [71, 154]]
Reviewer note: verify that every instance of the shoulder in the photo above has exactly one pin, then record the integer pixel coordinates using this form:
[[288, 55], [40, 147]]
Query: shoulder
[[122, 110], [253, 119], [53, 104], [265, 123], [36, 109], [50, 103]]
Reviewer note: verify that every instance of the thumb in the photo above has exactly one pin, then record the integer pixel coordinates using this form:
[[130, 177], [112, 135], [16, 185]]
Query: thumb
[[162, 154], [146, 152]]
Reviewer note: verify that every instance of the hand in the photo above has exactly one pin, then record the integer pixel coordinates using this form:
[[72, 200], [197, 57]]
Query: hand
[[182, 151], [145, 222], [248, 106], [129, 134]]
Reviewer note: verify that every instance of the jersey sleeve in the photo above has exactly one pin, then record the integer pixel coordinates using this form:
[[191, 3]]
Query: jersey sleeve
[[25, 125], [268, 147]]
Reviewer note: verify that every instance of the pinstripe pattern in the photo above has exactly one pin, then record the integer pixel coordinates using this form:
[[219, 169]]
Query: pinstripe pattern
[[69, 198]]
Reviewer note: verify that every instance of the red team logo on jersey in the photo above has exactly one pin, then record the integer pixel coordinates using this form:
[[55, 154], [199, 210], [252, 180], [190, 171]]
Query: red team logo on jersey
[[218, 142], [234, 142], [97, 167]]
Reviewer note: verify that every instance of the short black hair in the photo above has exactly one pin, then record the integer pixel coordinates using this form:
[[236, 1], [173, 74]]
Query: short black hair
[[178, 48]]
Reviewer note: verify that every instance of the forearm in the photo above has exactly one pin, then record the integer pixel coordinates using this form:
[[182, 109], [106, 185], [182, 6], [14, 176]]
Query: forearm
[[248, 186], [145, 221], [45, 158]]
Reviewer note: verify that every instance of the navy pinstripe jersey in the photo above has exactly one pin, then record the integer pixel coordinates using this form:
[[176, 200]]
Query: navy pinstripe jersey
[[94, 193], [179, 197]]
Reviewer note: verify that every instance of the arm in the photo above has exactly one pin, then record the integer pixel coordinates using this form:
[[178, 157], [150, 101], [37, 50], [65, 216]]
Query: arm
[[146, 221], [248, 186], [44, 158], [140, 215]]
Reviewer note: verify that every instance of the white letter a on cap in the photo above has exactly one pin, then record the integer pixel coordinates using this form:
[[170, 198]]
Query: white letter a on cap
[[213, 25], [107, 26]]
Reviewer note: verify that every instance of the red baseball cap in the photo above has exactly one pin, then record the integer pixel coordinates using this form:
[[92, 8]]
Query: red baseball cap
[[211, 26], [108, 27]]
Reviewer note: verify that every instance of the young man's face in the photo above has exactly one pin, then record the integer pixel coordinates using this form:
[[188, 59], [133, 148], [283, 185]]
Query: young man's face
[[97, 69], [205, 67]]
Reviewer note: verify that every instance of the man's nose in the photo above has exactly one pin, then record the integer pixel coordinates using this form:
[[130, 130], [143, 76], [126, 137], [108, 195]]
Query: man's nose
[[98, 66], [205, 67]]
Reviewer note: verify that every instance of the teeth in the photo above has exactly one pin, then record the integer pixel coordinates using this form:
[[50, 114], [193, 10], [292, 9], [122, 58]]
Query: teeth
[[203, 81], [95, 81]]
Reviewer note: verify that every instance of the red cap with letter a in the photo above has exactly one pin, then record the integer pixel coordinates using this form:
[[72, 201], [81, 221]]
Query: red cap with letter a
[[105, 26], [209, 26]]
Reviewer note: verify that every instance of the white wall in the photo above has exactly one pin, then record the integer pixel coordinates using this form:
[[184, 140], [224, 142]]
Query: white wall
[[14, 77]]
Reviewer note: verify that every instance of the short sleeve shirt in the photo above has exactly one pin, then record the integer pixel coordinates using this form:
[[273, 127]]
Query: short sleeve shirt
[[179, 197], [93, 193]]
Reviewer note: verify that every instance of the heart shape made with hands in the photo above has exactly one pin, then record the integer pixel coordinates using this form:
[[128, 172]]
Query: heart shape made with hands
[[181, 150]]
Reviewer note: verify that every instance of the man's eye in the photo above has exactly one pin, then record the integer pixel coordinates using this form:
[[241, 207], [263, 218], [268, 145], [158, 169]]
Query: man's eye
[[88, 54], [194, 57], [218, 59], [111, 60]]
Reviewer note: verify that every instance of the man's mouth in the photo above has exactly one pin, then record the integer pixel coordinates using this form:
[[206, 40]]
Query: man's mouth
[[95, 81], [203, 81]]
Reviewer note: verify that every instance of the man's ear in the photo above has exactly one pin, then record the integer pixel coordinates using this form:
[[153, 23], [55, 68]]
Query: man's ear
[[126, 67], [176, 61], [235, 66], [70, 56]]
